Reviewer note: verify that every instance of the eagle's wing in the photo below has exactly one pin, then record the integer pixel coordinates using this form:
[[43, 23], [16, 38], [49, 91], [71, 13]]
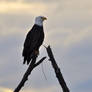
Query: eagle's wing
[[35, 40], [27, 43], [31, 42]]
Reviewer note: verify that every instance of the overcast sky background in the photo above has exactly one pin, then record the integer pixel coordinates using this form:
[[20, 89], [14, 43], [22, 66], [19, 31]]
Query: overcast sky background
[[69, 32]]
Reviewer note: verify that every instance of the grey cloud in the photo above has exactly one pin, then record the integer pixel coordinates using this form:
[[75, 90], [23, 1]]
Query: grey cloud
[[15, 24], [11, 65], [84, 86]]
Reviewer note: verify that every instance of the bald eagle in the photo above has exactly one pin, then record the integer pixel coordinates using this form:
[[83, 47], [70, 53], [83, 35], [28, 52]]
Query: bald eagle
[[34, 40]]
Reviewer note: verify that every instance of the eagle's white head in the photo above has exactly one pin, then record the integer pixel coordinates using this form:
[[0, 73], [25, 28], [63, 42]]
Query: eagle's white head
[[39, 20]]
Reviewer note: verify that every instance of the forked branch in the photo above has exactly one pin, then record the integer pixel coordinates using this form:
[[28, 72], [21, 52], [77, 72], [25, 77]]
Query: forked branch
[[33, 64]]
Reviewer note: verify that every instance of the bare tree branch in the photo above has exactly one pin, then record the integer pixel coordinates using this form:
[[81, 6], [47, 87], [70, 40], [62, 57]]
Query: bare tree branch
[[39, 62], [57, 70], [32, 65]]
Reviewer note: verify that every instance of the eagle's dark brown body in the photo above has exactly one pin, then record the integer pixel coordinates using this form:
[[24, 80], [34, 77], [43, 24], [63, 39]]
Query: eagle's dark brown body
[[33, 41]]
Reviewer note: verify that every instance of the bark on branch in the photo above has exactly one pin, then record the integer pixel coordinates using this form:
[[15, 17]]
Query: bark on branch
[[57, 70], [32, 65]]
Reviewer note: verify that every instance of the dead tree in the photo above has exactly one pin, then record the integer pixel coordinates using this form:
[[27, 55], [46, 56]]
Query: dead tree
[[33, 64]]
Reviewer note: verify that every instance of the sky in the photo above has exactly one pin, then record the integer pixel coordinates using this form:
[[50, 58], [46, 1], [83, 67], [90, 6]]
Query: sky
[[68, 30]]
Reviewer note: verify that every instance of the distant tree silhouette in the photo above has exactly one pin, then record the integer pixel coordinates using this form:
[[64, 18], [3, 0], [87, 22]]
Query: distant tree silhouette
[[33, 64]]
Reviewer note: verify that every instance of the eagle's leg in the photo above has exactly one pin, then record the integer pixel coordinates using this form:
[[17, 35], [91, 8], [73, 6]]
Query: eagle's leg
[[32, 56]]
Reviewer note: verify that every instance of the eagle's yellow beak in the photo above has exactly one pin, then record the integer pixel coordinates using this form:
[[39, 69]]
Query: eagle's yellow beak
[[44, 18]]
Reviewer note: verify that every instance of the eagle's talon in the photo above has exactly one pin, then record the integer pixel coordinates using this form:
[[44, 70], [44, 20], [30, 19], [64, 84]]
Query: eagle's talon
[[36, 52]]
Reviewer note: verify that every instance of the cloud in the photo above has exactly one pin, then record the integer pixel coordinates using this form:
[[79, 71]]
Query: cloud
[[76, 38], [14, 24], [15, 7], [5, 89], [67, 37], [46, 89], [34, 8]]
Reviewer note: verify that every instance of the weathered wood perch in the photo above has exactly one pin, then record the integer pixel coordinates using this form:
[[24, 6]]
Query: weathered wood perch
[[33, 64], [57, 70]]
